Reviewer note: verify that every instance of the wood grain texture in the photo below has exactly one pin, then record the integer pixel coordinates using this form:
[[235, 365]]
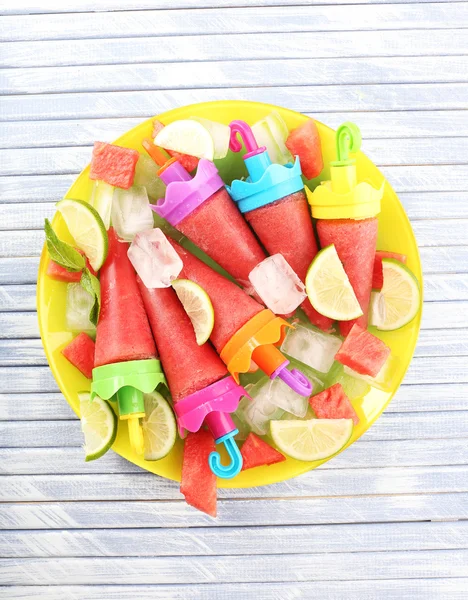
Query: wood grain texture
[[388, 517]]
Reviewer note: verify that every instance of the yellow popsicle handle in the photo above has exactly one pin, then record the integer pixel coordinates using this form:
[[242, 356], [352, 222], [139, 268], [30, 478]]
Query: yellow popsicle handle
[[135, 434]]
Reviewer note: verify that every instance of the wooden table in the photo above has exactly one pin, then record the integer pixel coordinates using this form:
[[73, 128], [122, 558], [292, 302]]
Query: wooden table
[[386, 519]]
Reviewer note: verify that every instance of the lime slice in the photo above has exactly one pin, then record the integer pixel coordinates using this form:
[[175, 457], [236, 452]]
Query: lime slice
[[329, 289], [186, 136], [159, 427], [311, 440], [398, 301], [98, 424], [87, 229], [197, 305]]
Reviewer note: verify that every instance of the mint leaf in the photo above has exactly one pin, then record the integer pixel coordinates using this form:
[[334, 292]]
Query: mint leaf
[[91, 284], [62, 253]]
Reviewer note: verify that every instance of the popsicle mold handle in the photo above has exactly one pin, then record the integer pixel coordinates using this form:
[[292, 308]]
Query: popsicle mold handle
[[235, 466], [348, 140], [296, 380], [246, 133]]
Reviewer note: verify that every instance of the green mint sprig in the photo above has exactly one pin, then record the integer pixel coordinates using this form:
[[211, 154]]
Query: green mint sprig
[[70, 259]]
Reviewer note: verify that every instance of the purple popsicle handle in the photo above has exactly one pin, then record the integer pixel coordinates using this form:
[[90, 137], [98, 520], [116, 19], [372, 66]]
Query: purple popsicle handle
[[296, 380]]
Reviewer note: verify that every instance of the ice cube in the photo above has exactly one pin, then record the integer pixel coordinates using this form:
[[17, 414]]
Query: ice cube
[[239, 419], [146, 175], [290, 401], [259, 411], [101, 200], [277, 284], [77, 308], [385, 378], [353, 387], [154, 259], [272, 132], [131, 212], [312, 347]]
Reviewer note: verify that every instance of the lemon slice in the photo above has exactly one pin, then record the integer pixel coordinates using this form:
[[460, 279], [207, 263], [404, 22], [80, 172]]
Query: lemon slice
[[314, 439], [98, 424], [159, 427], [87, 229], [329, 289], [186, 136], [398, 301], [197, 305]]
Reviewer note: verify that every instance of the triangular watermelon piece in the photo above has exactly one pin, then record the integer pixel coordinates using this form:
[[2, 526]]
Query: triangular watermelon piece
[[198, 483], [257, 453], [304, 141], [55, 271], [190, 163], [363, 352], [113, 164], [80, 352], [333, 403], [377, 277]]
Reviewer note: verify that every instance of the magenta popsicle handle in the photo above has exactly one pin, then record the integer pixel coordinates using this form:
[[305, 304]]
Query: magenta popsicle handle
[[220, 424], [245, 131]]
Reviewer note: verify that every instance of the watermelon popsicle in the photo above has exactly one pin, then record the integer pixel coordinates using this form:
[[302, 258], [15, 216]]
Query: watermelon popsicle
[[200, 386], [201, 209], [273, 201], [245, 334], [346, 213], [125, 364]]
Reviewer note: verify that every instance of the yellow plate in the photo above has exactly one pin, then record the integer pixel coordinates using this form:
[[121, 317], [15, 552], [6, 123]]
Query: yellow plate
[[395, 234]]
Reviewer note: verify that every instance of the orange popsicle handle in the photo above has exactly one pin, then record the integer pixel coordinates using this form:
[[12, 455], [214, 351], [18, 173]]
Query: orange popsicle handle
[[159, 157], [256, 342]]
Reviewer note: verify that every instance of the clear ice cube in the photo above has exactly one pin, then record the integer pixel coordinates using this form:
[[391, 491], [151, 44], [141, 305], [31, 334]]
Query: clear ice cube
[[259, 411], [312, 347], [77, 308], [353, 387], [146, 175], [101, 200], [131, 212], [277, 285], [154, 259], [239, 419], [284, 397]]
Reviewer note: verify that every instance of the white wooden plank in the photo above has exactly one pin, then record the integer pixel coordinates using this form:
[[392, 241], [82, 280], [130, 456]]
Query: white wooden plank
[[395, 152], [320, 482], [305, 98], [257, 46], [373, 537], [24, 7], [314, 511], [371, 454], [390, 426], [235, 20], [18, 297], [19, 325], [429, 397], [417, 589], [182, 75], [22, 352], [373, 125], [303, 567], [18, 270], [47, 406]]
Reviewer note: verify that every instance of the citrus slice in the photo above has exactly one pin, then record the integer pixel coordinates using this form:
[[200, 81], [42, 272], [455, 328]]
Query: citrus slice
[[329, 289], [87, 229], [98, 424], [186, 136], [197, 305], [398, 301], [220, 134], [159, 427], [314, 439]]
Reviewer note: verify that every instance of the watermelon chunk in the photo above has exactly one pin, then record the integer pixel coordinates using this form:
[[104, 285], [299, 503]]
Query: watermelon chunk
[[257, 453], [80, 352], [113, 164], [59, 273], [189, 162], [198, 483], [304, 142], [363, 352], [333, 403], [377, 277]]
